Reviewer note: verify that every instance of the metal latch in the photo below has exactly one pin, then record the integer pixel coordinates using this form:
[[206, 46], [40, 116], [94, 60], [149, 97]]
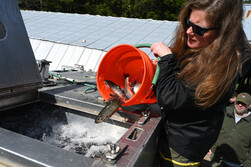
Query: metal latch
[[144, 118], [114, 153], [43, 66], [79, 66]]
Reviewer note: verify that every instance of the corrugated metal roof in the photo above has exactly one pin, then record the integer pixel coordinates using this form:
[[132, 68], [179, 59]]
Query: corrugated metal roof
[[58, 37], [99, 32], [66, 55]]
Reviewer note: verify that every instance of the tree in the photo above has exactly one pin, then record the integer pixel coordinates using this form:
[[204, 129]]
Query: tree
[[143, 9]]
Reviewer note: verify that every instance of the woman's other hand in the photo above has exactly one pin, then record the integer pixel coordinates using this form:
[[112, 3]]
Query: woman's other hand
[[160, 49]]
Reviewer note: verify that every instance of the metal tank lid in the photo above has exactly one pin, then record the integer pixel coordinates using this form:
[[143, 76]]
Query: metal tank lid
[[18, 68]]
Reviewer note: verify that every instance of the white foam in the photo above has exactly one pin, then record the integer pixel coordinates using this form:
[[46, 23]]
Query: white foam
[[96, 151], [85, 137]]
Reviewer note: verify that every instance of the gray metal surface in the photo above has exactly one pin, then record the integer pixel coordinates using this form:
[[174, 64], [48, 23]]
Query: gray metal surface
[[17, 63], [54, 36], [19, 150], [72, 95], [18, 68], [99, 32], [141, 151], [18, 100], [53, 136]]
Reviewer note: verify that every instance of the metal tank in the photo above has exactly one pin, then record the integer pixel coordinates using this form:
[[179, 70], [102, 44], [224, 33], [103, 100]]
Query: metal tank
[[51, 123]]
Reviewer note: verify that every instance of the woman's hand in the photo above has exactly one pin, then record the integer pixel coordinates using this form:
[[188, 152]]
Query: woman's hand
[[160, 49]]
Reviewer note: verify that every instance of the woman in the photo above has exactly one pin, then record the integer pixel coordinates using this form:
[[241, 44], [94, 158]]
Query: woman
[[197, 78]]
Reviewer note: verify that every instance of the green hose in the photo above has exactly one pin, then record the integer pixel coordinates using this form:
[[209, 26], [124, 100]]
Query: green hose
[[143, 45], [90, 87], [147, 45]]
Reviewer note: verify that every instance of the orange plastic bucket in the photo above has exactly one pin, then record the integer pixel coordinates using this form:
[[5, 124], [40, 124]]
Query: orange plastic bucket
[[127, 59]]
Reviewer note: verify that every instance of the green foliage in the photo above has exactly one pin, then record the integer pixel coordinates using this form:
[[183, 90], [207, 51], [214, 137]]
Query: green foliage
[[143, 9]]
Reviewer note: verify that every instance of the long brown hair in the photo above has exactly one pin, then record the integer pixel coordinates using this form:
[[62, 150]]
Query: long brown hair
[[212, 69]]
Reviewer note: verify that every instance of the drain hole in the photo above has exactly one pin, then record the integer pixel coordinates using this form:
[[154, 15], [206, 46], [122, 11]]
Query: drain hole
[[134, 135], [3, 31]]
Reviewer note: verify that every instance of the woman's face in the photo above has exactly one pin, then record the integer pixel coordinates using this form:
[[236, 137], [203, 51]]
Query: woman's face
[[195, 41]]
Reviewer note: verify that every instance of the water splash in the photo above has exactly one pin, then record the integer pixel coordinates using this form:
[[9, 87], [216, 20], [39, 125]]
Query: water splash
[[63, 129], [85, 138]]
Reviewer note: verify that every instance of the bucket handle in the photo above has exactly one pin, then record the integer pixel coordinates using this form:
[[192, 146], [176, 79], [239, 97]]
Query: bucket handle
[[147, 45]]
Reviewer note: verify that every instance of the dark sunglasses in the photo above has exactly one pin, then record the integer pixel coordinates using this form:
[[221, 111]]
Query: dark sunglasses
[[197, 29]]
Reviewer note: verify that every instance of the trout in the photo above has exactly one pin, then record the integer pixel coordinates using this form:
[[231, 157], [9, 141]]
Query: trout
[[111, 107], [115, 89], [136, 87], [127, 88]]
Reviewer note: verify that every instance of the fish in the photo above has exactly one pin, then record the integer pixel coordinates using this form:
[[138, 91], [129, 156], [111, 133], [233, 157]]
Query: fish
[[111, 107], [136, 87], [116, 89], [128, 88]]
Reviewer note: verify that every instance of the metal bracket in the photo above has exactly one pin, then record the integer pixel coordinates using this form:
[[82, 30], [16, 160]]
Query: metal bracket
[[114, 153], [79, 66], [43, 66], [144, 118]]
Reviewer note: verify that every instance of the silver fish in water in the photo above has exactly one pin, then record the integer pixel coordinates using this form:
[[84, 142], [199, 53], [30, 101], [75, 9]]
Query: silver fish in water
[[110, 108]]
